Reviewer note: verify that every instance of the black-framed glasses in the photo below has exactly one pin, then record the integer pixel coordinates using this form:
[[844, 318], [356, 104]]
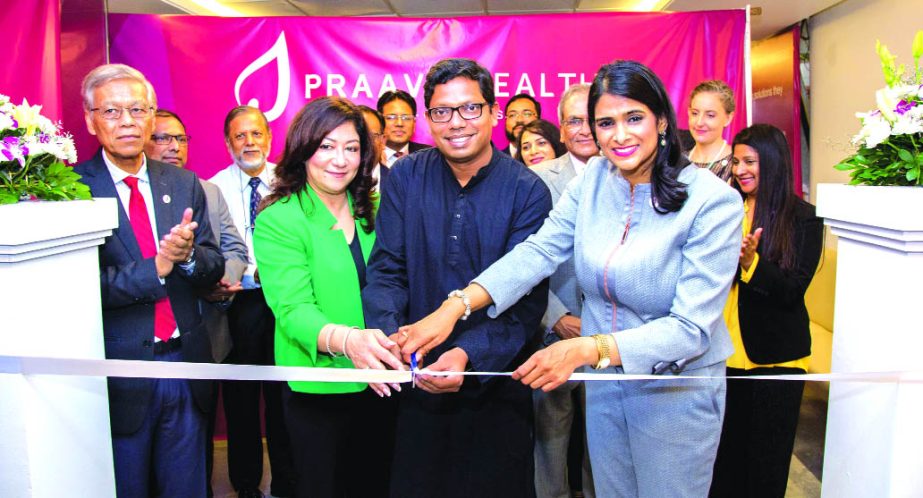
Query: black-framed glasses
[[401, 117], [116, 112], [166, 138], [466, 111], [575, 123], [524, 114]]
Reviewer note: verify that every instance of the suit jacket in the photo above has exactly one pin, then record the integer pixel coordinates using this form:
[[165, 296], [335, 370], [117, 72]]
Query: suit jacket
[[234, 250], [774, 323], [564, 294], [129, 286], [309, 279]]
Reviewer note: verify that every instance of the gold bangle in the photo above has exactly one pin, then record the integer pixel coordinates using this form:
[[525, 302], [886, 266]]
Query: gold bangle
[[602, 347]]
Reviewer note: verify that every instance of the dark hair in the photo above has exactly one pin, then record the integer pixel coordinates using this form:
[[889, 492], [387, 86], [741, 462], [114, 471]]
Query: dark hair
[[163, 113], [775, 200], [524, 96], [548, 131], [237, 111], [312, 123], [447, 70], [396, 95], [372, 112], [636, 81]]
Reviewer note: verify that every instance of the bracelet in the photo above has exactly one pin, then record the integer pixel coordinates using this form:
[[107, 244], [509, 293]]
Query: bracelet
[[464, 297], [346, 338], [602, 347], [329, 329]]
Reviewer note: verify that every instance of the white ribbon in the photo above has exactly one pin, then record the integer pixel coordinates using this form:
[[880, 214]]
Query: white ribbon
[[32, 365]]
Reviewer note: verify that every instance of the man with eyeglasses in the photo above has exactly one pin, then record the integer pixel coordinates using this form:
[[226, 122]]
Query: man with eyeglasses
[[555, 411], [376, 124], [151, 269], [446, 214], [520, 110], [244, 183], [400, 112], [170, 144]]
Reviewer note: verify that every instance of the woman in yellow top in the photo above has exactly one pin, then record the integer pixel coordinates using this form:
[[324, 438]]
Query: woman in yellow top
[[767, 319], [312, 241]]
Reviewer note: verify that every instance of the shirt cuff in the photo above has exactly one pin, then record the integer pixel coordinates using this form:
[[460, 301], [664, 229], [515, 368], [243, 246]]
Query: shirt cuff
[[747, 274]]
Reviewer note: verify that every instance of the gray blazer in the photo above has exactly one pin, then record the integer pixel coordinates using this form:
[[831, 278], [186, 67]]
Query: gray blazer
[[234, 251], [668, 281], [564, 294]]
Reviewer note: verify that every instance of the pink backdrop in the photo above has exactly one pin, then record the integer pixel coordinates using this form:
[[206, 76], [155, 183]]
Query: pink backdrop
[[201, 67], [32, 59]]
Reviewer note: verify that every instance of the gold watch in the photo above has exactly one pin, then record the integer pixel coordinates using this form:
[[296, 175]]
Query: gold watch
[[602, 347]]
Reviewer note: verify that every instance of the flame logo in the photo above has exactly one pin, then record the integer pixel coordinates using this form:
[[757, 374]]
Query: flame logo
[[279, 53]]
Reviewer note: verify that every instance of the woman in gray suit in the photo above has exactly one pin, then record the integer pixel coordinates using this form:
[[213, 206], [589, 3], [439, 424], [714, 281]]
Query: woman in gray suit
[[656, 245]]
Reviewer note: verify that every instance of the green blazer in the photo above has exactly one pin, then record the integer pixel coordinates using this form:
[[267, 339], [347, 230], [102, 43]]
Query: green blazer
[[309, 279]]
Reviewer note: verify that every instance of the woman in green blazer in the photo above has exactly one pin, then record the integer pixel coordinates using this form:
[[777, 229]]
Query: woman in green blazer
[[312, 241]]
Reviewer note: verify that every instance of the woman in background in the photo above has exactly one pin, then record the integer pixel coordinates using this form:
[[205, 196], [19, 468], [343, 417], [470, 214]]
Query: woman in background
[[711, 109], [313, 240], [539, 141], [767, 318]]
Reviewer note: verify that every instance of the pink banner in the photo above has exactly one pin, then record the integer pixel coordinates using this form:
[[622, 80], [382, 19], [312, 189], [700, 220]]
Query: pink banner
[[201, 67], [32, 61]]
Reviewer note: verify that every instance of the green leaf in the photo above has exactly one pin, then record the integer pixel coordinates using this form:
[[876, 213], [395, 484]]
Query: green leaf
[[913, 174], [905, 155]]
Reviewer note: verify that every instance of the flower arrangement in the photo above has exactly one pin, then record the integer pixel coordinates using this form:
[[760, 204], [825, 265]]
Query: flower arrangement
[[32, 155], [890, 143]]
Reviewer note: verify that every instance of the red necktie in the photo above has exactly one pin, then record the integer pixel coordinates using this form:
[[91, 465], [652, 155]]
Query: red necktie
[[164, 321], [399, 154]]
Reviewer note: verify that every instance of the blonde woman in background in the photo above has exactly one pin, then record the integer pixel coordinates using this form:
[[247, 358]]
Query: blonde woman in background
[[711, 109]]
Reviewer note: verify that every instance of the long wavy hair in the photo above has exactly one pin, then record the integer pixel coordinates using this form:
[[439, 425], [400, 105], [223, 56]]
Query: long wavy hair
[[775, 199], [636, 81], [312, 123]]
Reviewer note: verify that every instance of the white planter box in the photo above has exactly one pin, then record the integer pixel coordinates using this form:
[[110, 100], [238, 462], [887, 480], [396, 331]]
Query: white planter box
[[55, 429], [873, 429]]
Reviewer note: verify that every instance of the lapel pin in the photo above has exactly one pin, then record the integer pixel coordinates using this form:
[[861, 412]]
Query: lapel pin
[[166, 199]]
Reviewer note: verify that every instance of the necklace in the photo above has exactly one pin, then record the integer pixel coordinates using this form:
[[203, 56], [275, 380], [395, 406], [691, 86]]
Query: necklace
[[713, 159]]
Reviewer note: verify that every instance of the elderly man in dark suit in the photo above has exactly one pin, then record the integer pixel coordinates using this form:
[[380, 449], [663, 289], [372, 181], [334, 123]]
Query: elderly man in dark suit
[[152, 268], [556, 410]]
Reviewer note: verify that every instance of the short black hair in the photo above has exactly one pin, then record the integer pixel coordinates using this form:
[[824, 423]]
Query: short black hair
[[526, 96], [393, 95], [163, 113], [368, 110], [448, 69]]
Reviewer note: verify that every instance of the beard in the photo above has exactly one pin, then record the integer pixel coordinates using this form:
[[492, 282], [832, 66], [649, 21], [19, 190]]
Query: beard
[[511, 135], [250, 165]]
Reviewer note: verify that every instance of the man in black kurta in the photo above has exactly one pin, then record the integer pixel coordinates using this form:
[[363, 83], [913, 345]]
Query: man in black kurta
[[446, 214]]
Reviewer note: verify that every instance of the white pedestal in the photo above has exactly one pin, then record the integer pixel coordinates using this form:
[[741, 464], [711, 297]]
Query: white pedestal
[[54, 430], [874, 441]]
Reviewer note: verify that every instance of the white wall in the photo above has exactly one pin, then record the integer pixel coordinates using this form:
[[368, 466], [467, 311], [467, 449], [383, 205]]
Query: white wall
[[845, 72]]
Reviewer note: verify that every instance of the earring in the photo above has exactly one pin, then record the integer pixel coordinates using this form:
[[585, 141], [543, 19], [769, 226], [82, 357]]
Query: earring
[[663, 139]]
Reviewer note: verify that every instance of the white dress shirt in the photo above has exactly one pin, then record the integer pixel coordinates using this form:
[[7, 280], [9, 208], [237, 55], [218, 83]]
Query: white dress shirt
[[390, 153], [235, 187]]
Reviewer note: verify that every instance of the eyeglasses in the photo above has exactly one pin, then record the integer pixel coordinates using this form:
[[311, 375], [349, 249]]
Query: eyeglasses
[[575, 123], [116, 112], [401, 117], [466, 111], [166, 138], [524, 114]]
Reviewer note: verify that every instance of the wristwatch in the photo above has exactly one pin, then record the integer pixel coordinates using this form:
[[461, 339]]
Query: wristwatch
[[602, 347]]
